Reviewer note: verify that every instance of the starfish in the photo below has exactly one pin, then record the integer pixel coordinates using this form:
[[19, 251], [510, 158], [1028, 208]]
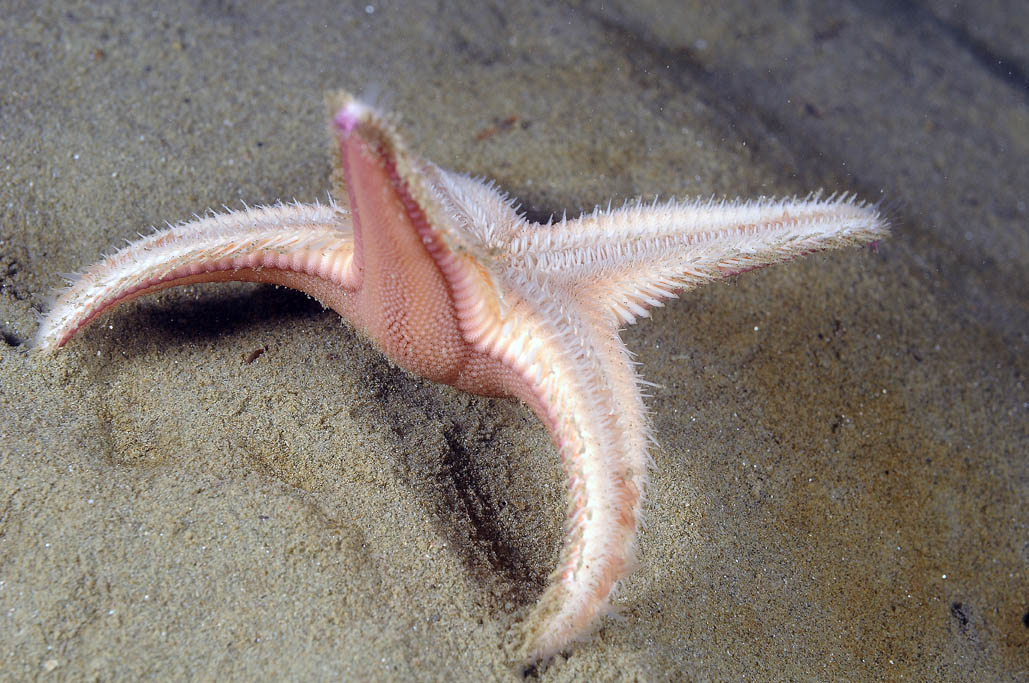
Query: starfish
[[444, 275]]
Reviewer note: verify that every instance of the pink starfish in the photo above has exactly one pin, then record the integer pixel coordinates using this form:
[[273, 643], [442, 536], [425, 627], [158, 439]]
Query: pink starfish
[[441, 272]]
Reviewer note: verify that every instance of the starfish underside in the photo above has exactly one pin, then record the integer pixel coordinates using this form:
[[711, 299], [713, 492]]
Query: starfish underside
[[449, 281]]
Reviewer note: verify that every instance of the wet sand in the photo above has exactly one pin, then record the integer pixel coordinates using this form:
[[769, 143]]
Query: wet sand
[[841, 486]]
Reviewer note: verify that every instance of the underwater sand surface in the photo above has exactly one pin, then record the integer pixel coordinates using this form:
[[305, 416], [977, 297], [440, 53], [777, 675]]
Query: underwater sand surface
[[842, 481]]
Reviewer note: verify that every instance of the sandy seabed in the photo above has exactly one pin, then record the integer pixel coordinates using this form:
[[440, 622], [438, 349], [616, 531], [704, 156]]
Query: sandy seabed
[[841, 486]]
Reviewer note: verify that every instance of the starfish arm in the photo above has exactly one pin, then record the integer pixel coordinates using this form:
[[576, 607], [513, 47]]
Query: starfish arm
[[568, 364], [308, 247], [499, 331], [635, 257]]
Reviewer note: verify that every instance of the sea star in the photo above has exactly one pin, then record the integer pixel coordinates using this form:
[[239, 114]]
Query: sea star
[[449, 281]]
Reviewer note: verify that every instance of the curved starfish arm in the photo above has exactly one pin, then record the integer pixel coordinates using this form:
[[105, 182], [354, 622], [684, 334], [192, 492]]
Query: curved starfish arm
[[307, 247], [571, 368], [635, 257], [426, 242]]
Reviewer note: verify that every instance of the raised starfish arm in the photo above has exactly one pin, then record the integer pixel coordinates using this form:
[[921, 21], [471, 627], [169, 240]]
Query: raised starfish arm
[[637, 256], [307, 247]]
